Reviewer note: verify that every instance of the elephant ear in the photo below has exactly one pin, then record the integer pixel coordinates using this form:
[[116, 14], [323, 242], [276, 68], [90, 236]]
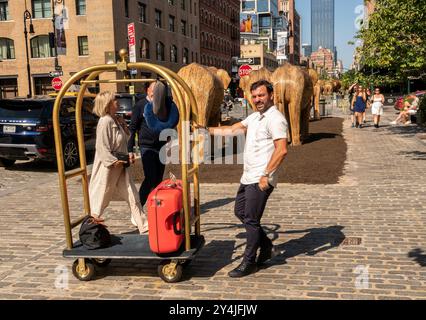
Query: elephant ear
[[159, 101]]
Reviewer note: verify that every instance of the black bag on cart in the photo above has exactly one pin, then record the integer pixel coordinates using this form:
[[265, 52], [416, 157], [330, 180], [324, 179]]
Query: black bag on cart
[[94, 235]]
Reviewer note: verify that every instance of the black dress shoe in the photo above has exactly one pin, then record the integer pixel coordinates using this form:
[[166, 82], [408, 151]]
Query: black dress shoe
[[244, 269], [265, 254]]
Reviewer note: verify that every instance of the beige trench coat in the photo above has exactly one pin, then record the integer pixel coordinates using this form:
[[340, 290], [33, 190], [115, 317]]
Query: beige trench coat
[[106, 180]]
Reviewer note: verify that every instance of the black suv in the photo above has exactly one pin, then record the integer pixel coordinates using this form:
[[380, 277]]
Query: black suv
[[126, 104], [26, 129]]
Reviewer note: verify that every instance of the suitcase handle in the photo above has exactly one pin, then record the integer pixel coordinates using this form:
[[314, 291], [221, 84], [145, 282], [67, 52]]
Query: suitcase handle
[[176, 216]]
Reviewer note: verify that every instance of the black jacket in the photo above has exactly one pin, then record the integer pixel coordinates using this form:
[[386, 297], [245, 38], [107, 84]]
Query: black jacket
[[148, 139]]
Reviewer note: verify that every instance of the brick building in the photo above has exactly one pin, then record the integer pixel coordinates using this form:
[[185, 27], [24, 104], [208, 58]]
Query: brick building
[[167, 33], [323, 59], [288, 8], [219, 32]]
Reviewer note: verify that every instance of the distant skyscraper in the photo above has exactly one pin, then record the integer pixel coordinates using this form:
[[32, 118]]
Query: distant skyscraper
[[322, 24]]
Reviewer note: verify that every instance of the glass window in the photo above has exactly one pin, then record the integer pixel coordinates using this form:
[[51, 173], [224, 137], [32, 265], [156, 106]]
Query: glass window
[[158, 18], [80, 7], [41, 8], [183, 27], [264, 21], [126, 8], [145, 49], [248, 5], [185, 56], [173, 54], [160, 51], [263, 5], [7, 49], [40, 47], [171, 23], [4, 10], [83, 46], [171, 2], [142, 12], [182, 4]]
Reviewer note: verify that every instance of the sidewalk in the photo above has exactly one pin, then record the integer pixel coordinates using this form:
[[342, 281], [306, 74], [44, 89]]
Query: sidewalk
[[363, 238]]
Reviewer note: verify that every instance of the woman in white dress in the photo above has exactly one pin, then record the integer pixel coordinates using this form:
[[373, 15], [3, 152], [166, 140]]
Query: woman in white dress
[[377, 107], [109, 175]]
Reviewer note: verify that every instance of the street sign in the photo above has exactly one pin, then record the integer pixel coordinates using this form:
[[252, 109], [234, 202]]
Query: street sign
[[55, 74], [244, 70], [132, 89], [57, 84], [242, 61]]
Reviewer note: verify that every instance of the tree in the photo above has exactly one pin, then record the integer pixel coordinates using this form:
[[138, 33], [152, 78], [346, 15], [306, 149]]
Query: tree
[[393, 40]]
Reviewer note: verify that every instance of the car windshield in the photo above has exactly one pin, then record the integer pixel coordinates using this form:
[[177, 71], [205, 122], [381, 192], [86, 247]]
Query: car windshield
[[125, 104], [24, 109]]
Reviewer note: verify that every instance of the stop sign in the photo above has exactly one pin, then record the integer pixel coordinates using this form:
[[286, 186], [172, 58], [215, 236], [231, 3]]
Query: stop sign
[[244, 70], [57, 84]]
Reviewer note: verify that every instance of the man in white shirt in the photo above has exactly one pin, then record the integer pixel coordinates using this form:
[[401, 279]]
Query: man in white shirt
[[265, 149]]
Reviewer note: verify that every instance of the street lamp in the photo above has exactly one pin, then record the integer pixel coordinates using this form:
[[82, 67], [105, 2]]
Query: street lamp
[[27, 15]]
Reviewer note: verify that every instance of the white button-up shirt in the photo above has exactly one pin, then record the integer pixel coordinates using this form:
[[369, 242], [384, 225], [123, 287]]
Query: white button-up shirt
[[262, 131]]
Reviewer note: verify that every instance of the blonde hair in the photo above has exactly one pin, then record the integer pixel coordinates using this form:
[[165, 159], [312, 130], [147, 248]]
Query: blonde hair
[[102, 103]]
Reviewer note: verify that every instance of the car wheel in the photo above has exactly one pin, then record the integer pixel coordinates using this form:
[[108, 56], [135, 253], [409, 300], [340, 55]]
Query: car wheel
[[70, 154], [6, 162]]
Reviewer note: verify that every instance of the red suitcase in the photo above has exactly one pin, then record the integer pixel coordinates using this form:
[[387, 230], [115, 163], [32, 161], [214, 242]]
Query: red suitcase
[[164, 215]]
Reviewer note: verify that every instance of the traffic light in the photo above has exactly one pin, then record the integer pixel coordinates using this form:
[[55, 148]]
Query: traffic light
[[52, 42]]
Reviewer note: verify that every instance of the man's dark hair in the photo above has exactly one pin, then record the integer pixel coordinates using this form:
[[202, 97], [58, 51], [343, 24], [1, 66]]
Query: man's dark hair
[[260, 83]]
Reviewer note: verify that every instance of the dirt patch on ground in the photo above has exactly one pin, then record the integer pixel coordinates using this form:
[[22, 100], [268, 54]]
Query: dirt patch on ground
[[320, 160]]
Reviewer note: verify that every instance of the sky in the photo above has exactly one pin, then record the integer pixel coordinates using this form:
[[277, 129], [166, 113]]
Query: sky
[[346, 14]]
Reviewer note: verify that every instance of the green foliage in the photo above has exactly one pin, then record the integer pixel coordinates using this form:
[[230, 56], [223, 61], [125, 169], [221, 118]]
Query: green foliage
[[394, 39]]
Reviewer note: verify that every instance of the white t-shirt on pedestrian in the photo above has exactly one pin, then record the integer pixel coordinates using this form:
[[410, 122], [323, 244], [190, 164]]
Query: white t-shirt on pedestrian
[[262, 131]]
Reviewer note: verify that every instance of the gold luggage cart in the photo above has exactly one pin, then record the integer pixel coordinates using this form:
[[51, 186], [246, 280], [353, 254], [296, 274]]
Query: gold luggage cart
[[131, 246]]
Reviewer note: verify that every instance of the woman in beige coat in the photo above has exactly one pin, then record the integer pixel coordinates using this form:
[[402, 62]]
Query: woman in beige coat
[[109, 176]]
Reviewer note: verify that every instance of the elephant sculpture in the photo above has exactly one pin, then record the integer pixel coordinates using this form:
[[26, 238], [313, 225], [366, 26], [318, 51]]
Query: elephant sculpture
[[293, 91]]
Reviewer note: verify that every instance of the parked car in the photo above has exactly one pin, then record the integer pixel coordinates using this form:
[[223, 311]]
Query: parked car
[[126, 104], [399, 104], [26, 129]]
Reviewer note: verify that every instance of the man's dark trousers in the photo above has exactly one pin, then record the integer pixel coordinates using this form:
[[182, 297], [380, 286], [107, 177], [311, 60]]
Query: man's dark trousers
[[153, 171], [249, 206]]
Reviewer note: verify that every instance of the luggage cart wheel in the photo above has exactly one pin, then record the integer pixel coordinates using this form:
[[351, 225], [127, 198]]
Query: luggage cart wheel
[[170, 271], [102, 263], [85, 273]]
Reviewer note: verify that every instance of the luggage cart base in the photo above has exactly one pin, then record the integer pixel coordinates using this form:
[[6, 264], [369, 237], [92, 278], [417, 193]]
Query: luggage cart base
[[132, 246]]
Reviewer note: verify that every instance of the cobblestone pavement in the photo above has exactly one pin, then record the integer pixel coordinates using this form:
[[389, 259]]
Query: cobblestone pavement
[[379, 199]]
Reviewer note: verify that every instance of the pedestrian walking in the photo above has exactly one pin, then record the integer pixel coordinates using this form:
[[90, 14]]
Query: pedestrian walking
[[265, 149], [359, 102], [353, 89], [377, 107], [110, 174], [150, 116]]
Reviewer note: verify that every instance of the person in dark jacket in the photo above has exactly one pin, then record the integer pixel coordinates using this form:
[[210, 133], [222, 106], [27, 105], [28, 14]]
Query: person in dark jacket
[[150, 116]]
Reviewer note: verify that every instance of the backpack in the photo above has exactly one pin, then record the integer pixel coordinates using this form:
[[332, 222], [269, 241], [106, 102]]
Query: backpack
[[94, 235]]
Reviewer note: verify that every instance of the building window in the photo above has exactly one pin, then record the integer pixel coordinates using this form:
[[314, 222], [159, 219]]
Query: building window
[[4, 10], [158, 18], [160, 51], [142, 12], [145, 49], [40, 47], [41, 8], [83, 46], [185, 56], [182, 4], [171, 23], [43, 85], [196, 32], [173, 54], [7, 49], [80, 6], [183, 27], [171, 2], [126, 8]]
